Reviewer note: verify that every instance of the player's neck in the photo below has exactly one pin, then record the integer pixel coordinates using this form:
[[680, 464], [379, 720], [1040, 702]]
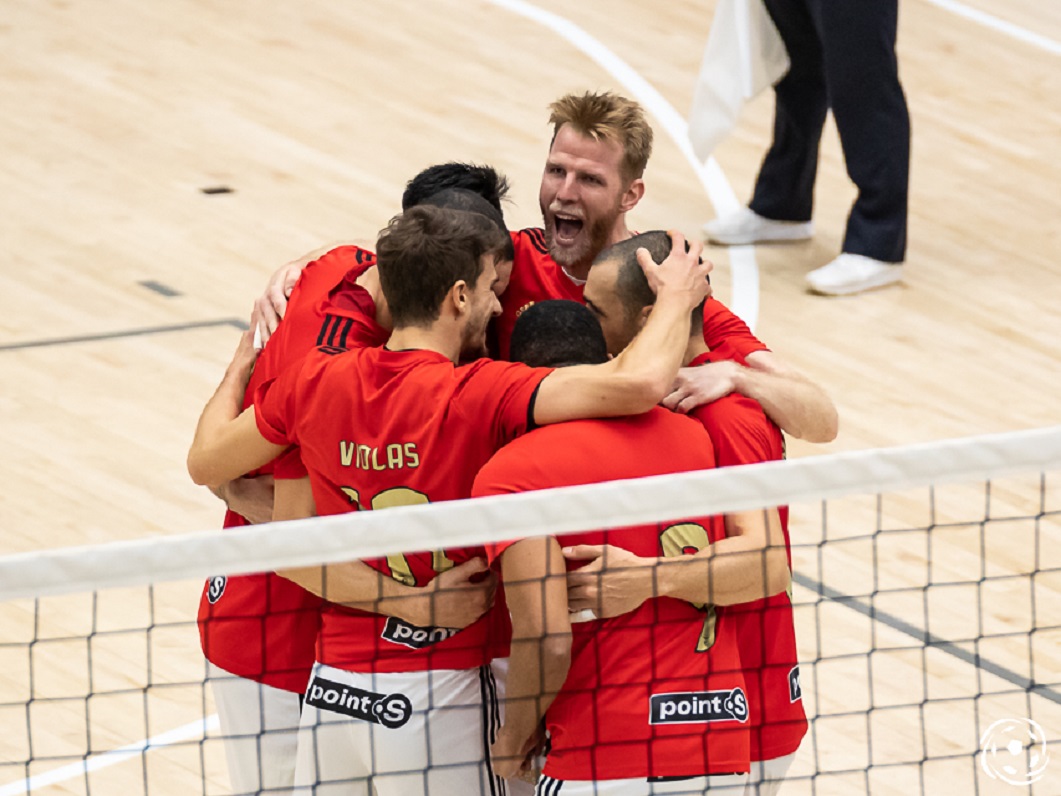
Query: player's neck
[[695, 348], [439, 337], [369, 280]]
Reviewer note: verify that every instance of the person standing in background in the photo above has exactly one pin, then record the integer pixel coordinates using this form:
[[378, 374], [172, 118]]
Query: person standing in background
[[842, 58]]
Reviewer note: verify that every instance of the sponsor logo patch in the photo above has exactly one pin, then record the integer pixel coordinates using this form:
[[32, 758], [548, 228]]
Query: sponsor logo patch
[[795, 690], [698, 707], [215, 588], [398, 632], [390, 710]]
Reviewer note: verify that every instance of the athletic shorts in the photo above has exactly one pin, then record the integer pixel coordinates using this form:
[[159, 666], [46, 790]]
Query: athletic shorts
[[767, 775], [722, 785], [259, 724], [398, 734]]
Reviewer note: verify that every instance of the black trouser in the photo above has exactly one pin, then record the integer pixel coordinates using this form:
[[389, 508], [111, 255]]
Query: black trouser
[[843, 58]]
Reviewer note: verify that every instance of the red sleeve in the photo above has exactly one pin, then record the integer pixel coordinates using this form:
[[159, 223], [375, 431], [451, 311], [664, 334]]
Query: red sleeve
[[289, 466], [498, 397], [498, 476], [722, 327], [740, 431], [274, 407]]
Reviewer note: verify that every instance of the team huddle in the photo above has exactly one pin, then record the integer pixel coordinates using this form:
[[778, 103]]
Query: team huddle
[[460, 360]]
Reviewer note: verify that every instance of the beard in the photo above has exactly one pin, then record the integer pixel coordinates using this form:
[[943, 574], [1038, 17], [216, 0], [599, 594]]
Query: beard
[[592, 239], [473, 343]]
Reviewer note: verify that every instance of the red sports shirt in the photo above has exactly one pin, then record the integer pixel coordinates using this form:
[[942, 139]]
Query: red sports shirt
[[379, 428], [537, 277], [657, 692], [263, 627], [743, 434]]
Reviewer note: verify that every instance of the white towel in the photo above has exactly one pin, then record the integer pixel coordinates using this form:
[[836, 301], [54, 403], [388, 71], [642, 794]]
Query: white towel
[[744, 55]]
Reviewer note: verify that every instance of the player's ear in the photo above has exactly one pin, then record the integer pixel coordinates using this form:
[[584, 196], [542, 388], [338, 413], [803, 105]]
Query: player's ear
[[459, 295], [642, 319], [632, 195]]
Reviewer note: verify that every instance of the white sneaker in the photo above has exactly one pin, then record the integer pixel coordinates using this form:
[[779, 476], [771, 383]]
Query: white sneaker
[[745, 226], [853, 273]]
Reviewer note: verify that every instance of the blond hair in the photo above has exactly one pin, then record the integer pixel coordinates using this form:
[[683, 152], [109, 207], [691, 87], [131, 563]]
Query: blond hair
[[607, 116]]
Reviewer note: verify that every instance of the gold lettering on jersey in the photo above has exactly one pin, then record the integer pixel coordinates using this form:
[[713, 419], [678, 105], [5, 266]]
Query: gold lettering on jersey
[[524, 308], [395, 456], [687, 539], [411, 455], [353, 496]]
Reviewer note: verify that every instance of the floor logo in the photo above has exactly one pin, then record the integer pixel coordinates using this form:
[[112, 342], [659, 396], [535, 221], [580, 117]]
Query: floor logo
[[1014, 751], [215, 588], [390, 710], [698, 707]]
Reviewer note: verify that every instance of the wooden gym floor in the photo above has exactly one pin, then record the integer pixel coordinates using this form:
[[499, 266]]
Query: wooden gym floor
[[123, 283]]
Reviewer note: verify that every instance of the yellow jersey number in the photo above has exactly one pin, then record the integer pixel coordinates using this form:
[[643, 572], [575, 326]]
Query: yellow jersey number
[[678, 540], [400, 569]]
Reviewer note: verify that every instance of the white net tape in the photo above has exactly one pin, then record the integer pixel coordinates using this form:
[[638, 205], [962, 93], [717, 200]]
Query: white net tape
[[467, 522]]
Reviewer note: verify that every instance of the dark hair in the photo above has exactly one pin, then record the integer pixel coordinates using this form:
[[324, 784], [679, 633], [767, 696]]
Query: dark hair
[[556, 333], [631, 285], [425, 251], [483, 180], [463, 199]]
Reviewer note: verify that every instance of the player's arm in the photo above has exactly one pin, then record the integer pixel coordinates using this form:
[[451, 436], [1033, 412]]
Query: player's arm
[[251, 498], [800, 407], [450, 600], [644, 372], [532, 571], [227, 443], [270, 306], [749, 564]]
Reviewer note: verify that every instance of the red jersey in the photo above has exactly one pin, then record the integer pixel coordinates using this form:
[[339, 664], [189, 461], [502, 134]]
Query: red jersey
[[537, 277], [743, 434], [263, 627], [657, 692], [379, 428]]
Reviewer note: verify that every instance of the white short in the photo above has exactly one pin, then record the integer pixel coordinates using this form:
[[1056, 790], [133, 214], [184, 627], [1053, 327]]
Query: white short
[[260, 726], [767, 775], [725, 785], [398, 734]]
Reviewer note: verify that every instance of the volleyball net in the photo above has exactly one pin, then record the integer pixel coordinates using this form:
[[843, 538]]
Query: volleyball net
[[926, 597]]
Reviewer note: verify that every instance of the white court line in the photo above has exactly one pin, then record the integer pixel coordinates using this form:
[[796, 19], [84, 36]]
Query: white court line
[[197, 729], [1001, 25], [745, 289]]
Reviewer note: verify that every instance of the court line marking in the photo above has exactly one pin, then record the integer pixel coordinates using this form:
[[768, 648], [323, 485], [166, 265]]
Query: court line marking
[[90, 338], [1000, 25], [929, 640], [195, 730], [744, 298]]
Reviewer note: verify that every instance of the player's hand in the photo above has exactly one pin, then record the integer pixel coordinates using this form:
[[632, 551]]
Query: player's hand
[[682, 272], [614, 582], [270, 306], [511, 757], [251, 498], [454, 600], [243, 359], [701, 385]]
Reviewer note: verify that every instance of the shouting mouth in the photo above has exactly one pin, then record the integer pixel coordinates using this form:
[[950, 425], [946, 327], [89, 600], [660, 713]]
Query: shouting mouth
[[566, 229]]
